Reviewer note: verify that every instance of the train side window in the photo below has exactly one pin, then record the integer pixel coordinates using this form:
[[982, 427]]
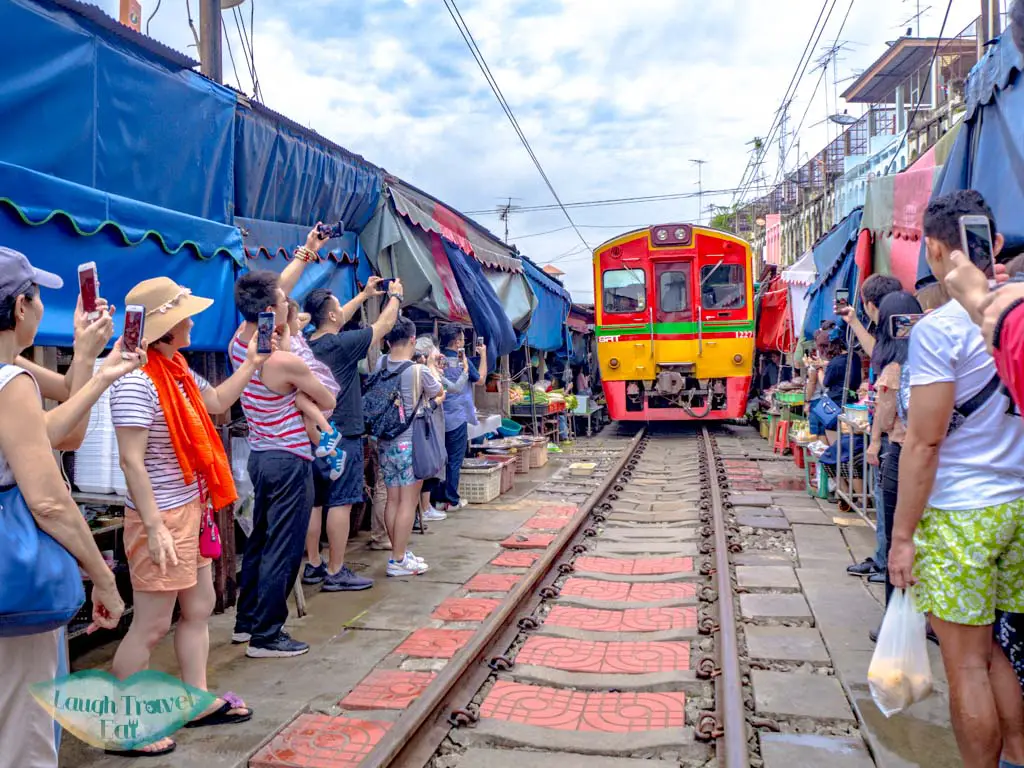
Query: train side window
[[624, 291], [722, 286]]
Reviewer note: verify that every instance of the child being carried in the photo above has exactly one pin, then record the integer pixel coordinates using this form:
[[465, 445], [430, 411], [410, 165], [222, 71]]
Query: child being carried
[[321, 430]]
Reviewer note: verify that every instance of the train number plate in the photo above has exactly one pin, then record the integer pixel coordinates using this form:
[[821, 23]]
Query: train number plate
[[606, 339]]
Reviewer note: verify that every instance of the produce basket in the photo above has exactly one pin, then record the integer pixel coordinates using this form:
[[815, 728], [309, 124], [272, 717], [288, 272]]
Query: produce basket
[[790, 398], [523, 461], [480, 485]]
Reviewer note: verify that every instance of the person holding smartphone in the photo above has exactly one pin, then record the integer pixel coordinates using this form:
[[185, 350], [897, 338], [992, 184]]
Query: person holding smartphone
[[462, 375], [27, 730], [958, 532], [174, 464]]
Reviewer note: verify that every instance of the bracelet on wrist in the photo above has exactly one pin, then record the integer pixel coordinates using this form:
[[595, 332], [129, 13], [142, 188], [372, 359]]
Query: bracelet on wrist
[[302, 253]]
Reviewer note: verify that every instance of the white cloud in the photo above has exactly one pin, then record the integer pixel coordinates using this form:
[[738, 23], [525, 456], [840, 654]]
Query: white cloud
[[615, 97]]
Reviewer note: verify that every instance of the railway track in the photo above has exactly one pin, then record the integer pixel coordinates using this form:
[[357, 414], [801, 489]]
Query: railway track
[[615, 643]]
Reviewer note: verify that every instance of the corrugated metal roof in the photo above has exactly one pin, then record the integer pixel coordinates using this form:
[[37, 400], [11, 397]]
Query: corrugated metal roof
[[907, 55], [100, 17]]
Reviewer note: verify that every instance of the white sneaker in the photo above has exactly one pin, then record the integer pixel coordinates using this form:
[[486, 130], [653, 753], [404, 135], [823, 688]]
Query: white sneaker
[[432, 515], [462, 504], [240, 637], [407, 567], [411, 556]]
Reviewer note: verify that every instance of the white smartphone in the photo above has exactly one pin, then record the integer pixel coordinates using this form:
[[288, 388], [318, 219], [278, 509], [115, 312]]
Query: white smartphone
[[134, 325], [88, 287]]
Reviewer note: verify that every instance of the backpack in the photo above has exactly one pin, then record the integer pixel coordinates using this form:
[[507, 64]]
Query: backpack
[[383, 409]]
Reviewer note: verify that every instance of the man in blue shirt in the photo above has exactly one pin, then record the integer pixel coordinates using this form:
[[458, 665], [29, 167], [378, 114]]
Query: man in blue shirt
[[461, 375]]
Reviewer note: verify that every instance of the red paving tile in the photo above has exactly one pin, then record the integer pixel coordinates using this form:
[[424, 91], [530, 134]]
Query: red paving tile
[[567, 710], [558, 511], [388, 689], [319, 741], [465, 609], [434, 643], [629, 620], [510, 559], [492, 582], [643, 567], [528, 541], [604, 658], [624, 592], [538, 523]]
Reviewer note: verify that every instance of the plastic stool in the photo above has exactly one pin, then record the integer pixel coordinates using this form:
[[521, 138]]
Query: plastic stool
[[781, 437]]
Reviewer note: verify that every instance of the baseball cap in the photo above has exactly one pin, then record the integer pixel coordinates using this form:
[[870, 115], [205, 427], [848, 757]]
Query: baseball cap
[[16, 273]]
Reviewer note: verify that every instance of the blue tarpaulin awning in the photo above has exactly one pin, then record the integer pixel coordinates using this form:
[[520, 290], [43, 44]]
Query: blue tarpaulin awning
[[485, 310], [129, 241], [286, 173], [835, 258], [989, 152], [549, 330], [342, 269], [84, 105]]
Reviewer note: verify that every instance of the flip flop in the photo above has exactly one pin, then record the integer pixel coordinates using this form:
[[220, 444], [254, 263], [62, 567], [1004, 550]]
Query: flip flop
[[220, 715], [142, 752]]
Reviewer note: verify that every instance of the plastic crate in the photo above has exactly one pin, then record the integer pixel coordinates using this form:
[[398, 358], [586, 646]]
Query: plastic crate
[[508, 471], [480, 485]]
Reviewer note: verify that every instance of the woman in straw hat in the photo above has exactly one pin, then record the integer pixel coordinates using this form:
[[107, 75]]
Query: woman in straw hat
[[175, 467]]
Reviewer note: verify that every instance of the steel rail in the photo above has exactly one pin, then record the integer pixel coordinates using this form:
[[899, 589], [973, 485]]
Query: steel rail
[[733, 752], [404, 743]]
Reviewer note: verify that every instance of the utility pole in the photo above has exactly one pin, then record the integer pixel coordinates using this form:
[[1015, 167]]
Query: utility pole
[[210, 54], [700, 188]]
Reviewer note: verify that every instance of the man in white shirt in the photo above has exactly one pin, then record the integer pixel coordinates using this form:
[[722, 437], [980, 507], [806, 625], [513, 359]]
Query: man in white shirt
[[959, 525]]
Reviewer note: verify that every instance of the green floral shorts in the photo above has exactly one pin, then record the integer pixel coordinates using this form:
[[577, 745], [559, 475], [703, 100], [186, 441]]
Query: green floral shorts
[[970, 562]]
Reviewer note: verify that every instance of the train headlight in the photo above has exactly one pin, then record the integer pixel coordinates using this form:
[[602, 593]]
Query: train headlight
[[737, 359], [681, 234], [661, 235], [613, 363]]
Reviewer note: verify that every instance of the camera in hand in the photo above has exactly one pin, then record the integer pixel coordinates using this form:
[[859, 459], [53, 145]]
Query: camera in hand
[[900, 326], [329, 233], [134, 321], [976, 241], [88, 286], [842, 297], [265, 333]]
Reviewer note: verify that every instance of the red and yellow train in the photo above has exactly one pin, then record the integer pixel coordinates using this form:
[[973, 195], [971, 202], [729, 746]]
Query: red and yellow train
[[675, 323]]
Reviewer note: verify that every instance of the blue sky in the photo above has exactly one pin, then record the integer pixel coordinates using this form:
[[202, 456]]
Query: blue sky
[[616, 96]]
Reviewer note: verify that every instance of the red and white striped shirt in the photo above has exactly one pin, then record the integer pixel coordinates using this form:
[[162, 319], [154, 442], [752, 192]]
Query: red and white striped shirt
[[275, 422]]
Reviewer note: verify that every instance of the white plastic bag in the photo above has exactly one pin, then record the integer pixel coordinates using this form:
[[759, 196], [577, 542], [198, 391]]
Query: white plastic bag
[[900, 674]]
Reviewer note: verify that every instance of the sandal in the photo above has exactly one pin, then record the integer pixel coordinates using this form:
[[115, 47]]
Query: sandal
[[222, 716], [144, 752]]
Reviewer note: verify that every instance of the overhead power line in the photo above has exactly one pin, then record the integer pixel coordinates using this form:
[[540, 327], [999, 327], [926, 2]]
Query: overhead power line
[[610, 202], [467, 36], [924, 88], [794, 84]]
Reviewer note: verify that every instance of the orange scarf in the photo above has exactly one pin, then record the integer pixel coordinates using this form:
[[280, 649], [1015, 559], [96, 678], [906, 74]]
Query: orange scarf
[[196, 442]]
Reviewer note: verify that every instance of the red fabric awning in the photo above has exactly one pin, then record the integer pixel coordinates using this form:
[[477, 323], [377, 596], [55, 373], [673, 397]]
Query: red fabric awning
[[431, 216], [775, 324]]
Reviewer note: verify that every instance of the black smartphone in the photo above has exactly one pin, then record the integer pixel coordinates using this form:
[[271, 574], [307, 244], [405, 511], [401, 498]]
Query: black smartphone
[[88, 286], [134, 323], [842, 297], [976, 241], [385, 284], [265, 333], [901, 325], [329, 233]]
